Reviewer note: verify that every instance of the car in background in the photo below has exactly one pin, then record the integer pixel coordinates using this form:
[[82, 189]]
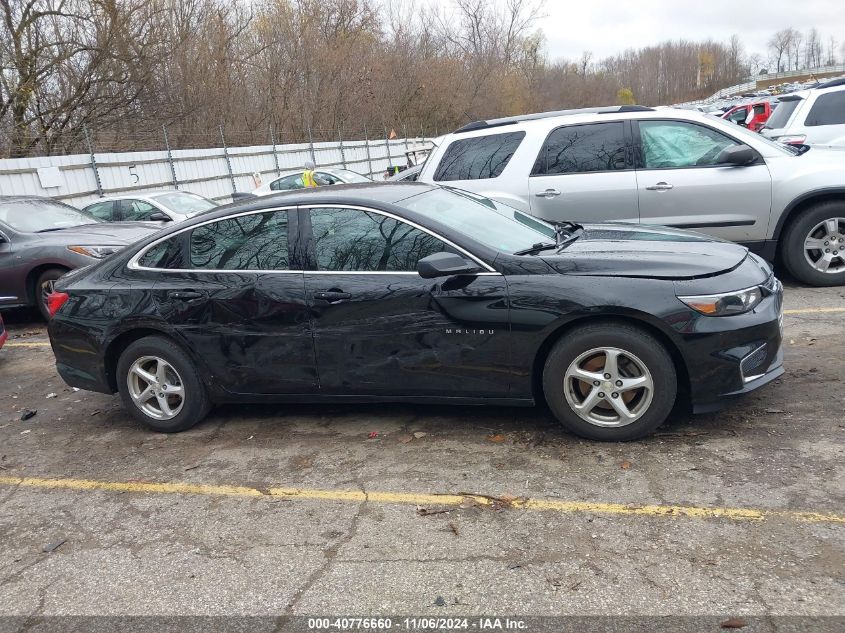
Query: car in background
[[291, 180], [739, 114], [674, 167], [416, 293], [814, 117], [163, 206], [42, 239]]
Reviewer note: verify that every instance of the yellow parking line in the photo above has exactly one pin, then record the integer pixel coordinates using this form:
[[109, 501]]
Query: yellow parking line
[[28, 344], [814, 310], [411, 498]]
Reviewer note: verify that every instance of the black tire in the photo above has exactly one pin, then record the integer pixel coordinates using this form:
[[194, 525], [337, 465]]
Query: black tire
[[792, 244], [47, 277], [630, 340], [195, 402]]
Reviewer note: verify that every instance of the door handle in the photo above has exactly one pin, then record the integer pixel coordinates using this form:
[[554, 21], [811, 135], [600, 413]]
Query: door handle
[[548, 193], [332, 295], [661, 186], [186, 295]]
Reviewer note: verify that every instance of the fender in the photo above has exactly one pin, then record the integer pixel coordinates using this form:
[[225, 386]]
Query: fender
[[824, 193]]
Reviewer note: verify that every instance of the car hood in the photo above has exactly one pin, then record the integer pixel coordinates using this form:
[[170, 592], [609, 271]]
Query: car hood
[[629, 250], [101, 234]]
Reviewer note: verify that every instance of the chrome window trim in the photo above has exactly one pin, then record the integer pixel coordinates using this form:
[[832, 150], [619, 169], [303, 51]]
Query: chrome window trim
[[478, 261], [134, 265]]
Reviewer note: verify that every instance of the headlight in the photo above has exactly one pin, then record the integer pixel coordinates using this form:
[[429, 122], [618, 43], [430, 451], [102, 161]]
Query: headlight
[[97, 252], [726, 303]]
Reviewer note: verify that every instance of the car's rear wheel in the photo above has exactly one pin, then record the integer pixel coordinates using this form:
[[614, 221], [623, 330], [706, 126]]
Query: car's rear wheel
[[44, 286], [160, 386], [610, 382], [814, 245]]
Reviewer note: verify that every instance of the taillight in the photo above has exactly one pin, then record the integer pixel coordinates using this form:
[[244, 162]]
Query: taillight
[[55, 300]]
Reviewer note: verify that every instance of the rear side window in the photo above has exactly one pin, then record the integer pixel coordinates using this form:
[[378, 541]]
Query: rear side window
[[249, 242], [478, 158], [166, 254], [828, 109], [583, 148], [780, 116]]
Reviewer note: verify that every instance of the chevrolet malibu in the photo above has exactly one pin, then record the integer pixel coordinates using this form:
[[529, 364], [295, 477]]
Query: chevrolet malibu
[[417, 293]]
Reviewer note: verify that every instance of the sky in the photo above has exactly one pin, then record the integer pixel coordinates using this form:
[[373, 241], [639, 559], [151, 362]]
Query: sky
[[607, 27]]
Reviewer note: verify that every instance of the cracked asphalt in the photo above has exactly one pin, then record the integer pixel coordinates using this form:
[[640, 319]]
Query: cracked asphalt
[[132, 551]]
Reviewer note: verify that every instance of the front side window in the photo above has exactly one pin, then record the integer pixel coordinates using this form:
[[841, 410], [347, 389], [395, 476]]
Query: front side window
[[258, 241], [583, 148], [478, 158], [828, 109], [349, 239], [138, 210], [101, 211], [287, 183], [673, 144]]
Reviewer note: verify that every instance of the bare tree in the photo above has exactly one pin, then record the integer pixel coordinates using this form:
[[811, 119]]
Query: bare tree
[[780, 47]]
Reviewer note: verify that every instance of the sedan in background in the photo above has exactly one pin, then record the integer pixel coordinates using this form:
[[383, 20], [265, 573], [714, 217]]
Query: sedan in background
[[416, 293], [291, 180], [42, 239], [162, 206]]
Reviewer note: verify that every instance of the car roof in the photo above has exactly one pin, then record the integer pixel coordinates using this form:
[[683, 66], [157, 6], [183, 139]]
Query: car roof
[[134, 196], [359, 193]]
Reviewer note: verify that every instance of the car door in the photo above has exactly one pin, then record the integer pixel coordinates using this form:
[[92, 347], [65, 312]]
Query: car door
[[681, 185], [381, 329], [585, 173], [233, 289]]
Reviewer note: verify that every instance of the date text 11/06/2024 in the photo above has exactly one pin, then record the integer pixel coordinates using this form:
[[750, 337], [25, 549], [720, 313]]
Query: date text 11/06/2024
[[422, 623]]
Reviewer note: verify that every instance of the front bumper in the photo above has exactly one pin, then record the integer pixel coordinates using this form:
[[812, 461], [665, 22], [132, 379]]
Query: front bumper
[[727, 357]]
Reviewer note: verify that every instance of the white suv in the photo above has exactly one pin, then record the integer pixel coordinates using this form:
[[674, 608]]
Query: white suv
[[675, 167], [810, 117]]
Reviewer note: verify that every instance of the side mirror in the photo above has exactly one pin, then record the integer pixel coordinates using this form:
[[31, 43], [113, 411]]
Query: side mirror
[[160, 216], [444, 265], [736, 155]]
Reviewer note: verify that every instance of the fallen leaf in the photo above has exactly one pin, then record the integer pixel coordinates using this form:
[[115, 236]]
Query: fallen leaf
[[28, 413], [406, 439], [497, 438], [453, 527], [419, 435], [734, 623], [625, 465], [52, 547]]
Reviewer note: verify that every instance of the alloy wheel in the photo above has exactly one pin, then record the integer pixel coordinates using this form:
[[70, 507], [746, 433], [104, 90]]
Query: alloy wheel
[[156, 387], [608, 386], [47, 288], [824, 246]]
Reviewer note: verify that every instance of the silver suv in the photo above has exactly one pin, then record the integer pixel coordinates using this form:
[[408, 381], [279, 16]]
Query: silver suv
[[674, 167], [810, 117]]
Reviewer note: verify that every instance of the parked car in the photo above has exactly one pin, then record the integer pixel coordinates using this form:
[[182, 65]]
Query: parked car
[[42, 239], [415, 293], [813, 117], [739, 114], [324, 176], [162, 206], [672, 167], [3, 334]]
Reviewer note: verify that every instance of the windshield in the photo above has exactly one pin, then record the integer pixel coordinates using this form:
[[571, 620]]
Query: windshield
[[32, 216], [184, 203], [491, 223], [350, 176], [739, 130], [781, 116]]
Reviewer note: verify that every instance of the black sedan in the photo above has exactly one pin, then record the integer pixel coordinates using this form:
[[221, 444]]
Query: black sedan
[[416, 293]]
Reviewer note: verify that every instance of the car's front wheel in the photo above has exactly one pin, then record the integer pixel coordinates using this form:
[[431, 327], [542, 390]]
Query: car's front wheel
[[610, 381], [44, 287], [814, 245], [160, 386]]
